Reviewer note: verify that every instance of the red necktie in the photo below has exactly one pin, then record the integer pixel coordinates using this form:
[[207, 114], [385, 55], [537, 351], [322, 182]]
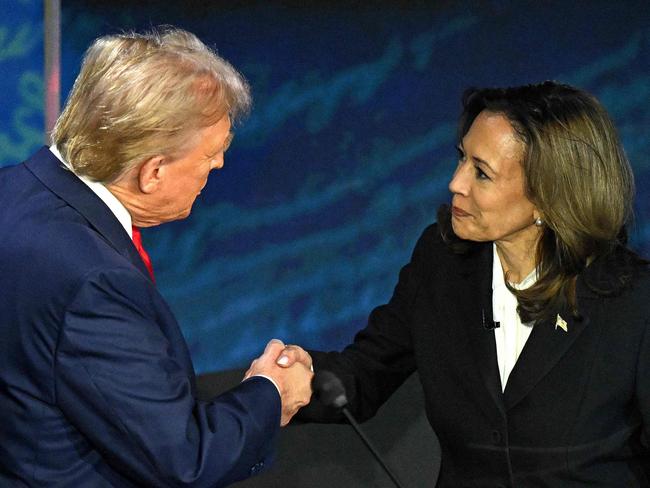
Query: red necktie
[[137, 242]]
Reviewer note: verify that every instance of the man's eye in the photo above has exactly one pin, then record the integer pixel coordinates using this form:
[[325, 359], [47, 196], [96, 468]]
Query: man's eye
[[228, 141]]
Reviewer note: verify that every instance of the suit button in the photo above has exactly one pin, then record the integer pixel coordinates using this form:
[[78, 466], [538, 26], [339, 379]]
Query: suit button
[[496, 436]]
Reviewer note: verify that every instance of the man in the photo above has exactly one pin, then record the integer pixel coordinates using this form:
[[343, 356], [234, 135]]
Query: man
[[96, 383]]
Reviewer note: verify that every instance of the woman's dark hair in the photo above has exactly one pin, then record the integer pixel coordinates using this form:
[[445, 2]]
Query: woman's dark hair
[[575, 173]]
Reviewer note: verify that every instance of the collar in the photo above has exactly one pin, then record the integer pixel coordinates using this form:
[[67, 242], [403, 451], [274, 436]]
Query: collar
[[502, 297], [111, 201], [62, 182]]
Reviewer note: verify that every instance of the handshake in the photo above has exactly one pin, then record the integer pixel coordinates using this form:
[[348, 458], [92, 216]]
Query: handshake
[[290, 368]]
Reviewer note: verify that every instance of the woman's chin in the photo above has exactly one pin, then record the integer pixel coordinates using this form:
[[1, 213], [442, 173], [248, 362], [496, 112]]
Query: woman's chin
[[463, 232], [458, 228]]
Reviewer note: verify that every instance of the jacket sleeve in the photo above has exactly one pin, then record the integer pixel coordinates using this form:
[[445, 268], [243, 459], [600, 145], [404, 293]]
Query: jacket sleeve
[[124, 380], [381, 356], [643, 388]]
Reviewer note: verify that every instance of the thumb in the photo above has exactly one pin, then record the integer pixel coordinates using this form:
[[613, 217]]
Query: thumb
[[273, 344]]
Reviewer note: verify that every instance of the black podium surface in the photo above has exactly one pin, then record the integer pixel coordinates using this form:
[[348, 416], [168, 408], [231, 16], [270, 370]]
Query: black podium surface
[[316, 455]]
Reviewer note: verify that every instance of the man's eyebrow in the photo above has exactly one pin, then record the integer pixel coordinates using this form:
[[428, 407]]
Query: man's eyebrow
[[228, 140], [224, 145]]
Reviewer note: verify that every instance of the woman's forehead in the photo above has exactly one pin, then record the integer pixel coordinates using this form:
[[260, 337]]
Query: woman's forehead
[[492, 138]]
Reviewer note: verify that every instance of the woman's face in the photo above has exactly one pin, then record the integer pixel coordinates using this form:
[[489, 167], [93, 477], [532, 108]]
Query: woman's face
[[488, 201]]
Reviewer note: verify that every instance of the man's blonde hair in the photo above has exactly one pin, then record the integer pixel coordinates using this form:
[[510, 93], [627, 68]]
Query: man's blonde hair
[[141, 95]]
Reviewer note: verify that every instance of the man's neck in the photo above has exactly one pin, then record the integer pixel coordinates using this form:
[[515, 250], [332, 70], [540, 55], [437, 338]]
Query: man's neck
[[103, 192]]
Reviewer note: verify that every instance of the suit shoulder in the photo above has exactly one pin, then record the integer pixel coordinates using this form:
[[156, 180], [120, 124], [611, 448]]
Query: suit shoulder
[[431, 238], [640, 284], [432, 233], [52, 259]]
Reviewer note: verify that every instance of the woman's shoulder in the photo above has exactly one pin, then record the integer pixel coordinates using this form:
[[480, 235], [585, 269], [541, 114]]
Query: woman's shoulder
[[435, 248], [621, 271]]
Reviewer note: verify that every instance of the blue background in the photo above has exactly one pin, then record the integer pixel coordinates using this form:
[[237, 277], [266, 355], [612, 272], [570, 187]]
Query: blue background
[[349, 148]]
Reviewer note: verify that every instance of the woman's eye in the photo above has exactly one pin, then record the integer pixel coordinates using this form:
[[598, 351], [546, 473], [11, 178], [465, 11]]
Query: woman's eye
[[461, 155], [480, 174]]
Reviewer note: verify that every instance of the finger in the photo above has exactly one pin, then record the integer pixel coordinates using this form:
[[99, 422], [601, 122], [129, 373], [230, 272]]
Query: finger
[[248, 374], [288, 415], [272, 350], [293, 354], [287, 358], [302, 355], [272, 344]]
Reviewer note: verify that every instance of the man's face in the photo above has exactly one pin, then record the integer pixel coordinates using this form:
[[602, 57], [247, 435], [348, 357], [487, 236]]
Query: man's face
[[183, 178]]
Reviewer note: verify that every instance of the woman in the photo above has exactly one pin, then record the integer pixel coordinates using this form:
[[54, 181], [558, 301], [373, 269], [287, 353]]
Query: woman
[[524, 313]]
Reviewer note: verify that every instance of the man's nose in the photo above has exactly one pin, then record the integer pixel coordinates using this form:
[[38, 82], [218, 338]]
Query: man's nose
[[217, 162]]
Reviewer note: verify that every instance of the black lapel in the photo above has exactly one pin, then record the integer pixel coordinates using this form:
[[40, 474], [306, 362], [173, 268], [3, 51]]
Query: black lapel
[[50, 171], [478, 322], [547, 343]]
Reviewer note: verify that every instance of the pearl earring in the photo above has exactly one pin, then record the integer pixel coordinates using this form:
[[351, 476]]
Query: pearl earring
[[539, 222]]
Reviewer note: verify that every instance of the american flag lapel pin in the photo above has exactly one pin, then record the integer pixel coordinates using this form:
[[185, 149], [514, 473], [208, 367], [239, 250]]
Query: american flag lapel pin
[[561, 323]]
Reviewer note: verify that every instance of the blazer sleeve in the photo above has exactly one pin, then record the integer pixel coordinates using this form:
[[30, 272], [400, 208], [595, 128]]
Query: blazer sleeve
[[381, 356], [643, 388], [122, 382]]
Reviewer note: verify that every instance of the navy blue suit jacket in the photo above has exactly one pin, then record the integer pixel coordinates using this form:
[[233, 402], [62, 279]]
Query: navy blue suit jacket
[[96, 384]]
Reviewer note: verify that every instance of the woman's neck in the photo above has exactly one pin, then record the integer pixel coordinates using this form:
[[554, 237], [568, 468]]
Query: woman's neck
[[517, 258]]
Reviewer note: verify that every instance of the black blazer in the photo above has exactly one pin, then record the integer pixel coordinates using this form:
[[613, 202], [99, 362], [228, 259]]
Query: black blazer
[[576, 409]]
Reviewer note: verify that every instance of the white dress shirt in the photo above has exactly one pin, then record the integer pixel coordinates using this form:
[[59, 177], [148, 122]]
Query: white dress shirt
[[115, 206], [512, 334]]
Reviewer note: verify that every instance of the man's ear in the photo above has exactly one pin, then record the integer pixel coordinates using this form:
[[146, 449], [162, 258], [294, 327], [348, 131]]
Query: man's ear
[[150, 174]]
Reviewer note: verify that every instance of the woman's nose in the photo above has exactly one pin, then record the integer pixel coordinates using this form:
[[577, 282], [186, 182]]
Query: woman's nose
[[459, 182]]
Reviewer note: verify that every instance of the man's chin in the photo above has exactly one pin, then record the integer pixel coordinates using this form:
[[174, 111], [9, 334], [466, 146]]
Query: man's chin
[[178, 216], [184, 214]]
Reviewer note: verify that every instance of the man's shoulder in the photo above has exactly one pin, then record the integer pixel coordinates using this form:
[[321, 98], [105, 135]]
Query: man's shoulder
[[54, 252]]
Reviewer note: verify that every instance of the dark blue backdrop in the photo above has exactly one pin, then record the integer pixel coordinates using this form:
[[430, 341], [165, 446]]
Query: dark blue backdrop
[[350, 145]]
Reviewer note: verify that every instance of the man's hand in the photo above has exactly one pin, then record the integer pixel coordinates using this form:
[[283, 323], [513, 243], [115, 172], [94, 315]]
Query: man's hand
[[293, 381], [292, 354]]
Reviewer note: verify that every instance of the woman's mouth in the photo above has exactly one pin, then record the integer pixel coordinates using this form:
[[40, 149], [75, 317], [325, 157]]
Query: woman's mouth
[[458, 212]]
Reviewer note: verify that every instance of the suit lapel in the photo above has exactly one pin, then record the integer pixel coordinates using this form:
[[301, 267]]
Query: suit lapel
[[478, 322], [545, 347], [49, 170], [547, 343]]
